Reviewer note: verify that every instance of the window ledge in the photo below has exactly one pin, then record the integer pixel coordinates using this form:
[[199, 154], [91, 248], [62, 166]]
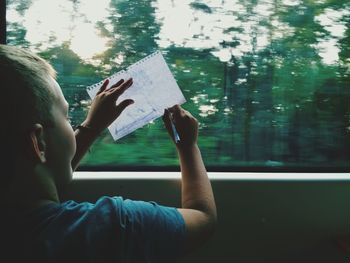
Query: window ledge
[[239, 176]]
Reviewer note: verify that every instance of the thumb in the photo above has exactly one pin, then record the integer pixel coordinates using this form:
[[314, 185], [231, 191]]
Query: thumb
[[167, 121], [121, 106]]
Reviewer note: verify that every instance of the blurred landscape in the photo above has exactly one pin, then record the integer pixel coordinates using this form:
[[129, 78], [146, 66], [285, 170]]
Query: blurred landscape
[[268, 80]]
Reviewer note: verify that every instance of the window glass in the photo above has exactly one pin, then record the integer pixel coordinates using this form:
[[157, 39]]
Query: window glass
[[268, 80]]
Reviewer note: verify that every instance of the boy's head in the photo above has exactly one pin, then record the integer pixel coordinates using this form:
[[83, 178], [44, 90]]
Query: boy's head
[[33, 111]]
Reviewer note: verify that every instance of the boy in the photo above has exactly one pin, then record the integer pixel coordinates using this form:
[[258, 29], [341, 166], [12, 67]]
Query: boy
[[41, 152]]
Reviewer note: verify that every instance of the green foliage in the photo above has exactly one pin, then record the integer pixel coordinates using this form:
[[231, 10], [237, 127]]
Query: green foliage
[[276, 106]]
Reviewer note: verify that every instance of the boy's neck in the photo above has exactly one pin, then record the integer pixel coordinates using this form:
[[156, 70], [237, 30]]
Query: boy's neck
[[32, 189]]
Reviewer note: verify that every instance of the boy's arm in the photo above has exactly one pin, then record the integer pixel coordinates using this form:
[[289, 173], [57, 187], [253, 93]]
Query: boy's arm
[[102, 113], [84, 138], [198, 204]]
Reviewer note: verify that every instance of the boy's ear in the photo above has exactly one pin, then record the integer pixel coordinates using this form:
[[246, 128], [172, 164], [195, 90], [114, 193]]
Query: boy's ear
[[37, 146]]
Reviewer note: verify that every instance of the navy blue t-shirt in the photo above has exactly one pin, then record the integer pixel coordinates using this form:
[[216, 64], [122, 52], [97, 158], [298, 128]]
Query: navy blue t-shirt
[[111, 230]]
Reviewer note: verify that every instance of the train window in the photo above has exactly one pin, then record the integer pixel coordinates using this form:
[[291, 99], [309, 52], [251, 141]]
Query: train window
[[268, 80]]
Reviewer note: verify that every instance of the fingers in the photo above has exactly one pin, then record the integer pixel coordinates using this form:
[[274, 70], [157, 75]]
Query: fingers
[[166, 119], [167, 122], [116, 92], [178, 112], [103, 87], [105, 84], [117, 84], [174, 108]]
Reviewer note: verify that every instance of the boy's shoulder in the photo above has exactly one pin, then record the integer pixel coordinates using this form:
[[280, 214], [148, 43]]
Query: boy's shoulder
[[111, 227]]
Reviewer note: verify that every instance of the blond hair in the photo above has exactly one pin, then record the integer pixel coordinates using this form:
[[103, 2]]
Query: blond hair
[[25, 96]]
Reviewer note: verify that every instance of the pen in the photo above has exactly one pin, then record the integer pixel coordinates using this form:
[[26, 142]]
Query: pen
[[176, 135]]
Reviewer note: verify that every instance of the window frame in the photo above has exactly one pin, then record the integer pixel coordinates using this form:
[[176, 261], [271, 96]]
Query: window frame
[[84, 169], [214, 176], [217, 169]]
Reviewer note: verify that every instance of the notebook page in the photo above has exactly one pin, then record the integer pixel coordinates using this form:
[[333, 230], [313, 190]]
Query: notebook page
[[154, 89]]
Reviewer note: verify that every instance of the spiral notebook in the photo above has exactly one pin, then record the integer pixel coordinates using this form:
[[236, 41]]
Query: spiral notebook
[[154, 89]]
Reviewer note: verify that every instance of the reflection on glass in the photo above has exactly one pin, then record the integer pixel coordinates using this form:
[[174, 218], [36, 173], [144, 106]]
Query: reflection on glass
[[267, 80]]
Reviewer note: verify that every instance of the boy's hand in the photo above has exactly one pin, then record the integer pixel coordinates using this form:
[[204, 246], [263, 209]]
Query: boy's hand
[[104, 109], [186, 125]]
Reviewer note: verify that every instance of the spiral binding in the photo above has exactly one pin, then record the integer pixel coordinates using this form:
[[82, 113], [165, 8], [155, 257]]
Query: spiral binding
[[112, 77]]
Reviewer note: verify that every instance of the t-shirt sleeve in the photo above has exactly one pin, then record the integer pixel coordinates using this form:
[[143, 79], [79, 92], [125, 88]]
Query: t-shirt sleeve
[[148, 232]]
